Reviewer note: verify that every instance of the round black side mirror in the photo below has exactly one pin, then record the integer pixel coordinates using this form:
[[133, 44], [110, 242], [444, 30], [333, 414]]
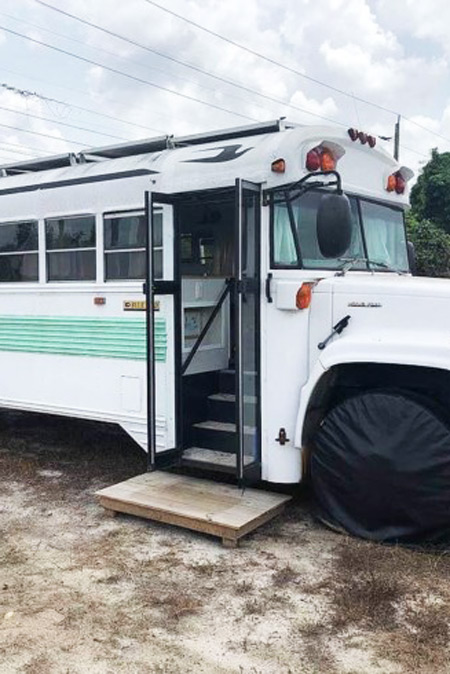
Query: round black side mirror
[[334, 225], [412, 260]]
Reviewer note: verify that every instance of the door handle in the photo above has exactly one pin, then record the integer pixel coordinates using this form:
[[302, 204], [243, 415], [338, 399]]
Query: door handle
[[269, 288]]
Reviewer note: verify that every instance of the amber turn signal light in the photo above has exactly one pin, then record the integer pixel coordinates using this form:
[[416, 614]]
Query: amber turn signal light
[[391, 183], [396, 183], [304, 296], [327, 161]]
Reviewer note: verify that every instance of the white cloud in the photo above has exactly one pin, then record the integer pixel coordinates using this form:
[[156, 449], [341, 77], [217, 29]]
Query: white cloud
[[393, 53]]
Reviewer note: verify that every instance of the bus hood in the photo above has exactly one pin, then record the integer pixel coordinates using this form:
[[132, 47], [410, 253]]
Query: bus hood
[[393, 318]]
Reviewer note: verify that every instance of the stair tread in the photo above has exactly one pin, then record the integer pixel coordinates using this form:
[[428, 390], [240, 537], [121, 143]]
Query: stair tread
[[230, 397], [203, 455], [252, 373], [222, 426]]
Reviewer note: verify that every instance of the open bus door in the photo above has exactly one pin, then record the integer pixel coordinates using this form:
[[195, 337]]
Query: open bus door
[[164, 315], [163, 333], [247, 330]]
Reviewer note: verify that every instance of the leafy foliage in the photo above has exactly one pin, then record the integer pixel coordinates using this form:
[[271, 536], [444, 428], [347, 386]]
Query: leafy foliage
[[428, 223], [430, 196], [432, 246]]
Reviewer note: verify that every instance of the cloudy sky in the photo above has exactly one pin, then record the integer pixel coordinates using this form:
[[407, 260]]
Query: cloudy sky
[[352, 62]]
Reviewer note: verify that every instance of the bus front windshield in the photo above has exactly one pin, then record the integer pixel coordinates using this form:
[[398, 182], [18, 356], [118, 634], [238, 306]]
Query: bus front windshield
[[378, 236]]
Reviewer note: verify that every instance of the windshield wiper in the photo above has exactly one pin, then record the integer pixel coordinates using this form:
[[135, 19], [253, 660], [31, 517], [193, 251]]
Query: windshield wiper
[[349, 262]]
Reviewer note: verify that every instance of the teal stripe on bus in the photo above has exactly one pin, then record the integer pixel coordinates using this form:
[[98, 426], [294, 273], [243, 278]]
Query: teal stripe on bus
[[81, 336]]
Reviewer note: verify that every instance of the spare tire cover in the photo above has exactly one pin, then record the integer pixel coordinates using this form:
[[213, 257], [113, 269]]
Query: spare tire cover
[[381, 468]]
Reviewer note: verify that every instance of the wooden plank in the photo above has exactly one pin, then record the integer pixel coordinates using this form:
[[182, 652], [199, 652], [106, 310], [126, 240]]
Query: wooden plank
[[221, 509], [202, 505]]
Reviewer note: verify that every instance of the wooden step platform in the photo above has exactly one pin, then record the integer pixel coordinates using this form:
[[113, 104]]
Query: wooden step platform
[[202, 505]]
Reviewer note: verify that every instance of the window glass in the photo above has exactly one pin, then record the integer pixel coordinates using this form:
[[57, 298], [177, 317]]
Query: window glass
[[129, 265], [77, 232], [157, 230], [77, 265], [125, 240], [304, 210], [18, 268], [127, 231], [385, 235], [63, 237], [187, 248], [19, 237]]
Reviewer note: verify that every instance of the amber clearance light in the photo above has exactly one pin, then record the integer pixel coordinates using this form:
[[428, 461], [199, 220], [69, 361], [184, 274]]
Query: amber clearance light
[[278, 166]]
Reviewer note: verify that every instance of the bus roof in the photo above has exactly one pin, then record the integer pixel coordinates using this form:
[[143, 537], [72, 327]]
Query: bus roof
[[214, 160], [139, 147]]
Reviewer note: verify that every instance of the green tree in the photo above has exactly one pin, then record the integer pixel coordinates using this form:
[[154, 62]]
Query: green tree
[[432, 246], [430, 196]]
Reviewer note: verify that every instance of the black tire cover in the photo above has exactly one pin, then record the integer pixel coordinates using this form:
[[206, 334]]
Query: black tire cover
[[380, 468]]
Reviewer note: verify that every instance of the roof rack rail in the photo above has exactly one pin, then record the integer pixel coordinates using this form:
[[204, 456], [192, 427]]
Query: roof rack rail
[[138, 147]]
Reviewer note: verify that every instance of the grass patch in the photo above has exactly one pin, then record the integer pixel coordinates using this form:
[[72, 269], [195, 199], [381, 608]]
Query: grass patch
[[254, 607], [422, 643], [284, 576], [177, 605], [11, 555], [363, 590]]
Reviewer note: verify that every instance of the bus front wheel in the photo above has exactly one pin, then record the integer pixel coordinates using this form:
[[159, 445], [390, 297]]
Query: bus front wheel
[[380, 467]]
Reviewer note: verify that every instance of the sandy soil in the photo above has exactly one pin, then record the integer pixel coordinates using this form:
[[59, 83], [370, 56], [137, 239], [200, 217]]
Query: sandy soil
[[81, 592]]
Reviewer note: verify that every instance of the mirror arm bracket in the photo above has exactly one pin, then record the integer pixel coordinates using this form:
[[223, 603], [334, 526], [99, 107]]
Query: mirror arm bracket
[[303, 185]]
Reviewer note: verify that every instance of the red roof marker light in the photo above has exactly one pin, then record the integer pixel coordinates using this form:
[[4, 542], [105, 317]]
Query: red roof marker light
[[313, 160]]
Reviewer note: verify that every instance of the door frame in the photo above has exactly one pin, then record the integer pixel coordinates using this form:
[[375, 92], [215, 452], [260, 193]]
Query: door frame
[[243, 284], [153, 287]]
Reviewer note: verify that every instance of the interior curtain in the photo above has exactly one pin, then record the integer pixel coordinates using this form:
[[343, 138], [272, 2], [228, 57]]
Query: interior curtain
[[284, 252]]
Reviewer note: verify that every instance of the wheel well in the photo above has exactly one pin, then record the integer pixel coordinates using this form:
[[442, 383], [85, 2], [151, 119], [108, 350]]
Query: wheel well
[[343, 381]]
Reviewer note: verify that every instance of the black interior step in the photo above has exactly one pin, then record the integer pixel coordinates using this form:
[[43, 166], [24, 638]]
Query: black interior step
[[217, 435], [220, 435], [222, 407], [227, 380], [199, 457]]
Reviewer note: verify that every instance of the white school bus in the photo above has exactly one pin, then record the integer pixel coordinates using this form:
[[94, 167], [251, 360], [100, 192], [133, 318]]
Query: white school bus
[[220, 295]]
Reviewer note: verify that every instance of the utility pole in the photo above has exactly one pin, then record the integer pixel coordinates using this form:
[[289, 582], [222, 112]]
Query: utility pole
[[397, 139]]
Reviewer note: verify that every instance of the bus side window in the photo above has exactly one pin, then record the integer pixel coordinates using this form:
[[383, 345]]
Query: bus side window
[[124, 237], [19, 252], [70, 246]]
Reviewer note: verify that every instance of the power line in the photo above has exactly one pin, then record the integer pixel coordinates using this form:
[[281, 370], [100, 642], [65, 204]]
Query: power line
[[26, 93], [410, 149], [184, 63], [140, 80], [10, 160], [272, 61], [44, 135], [14, 152], [3, 148], [261, 56], [54, 121], [23, 147], [104, 51]]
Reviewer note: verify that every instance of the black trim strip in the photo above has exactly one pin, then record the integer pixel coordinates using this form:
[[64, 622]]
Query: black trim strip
[[149, 313], [78, 181]]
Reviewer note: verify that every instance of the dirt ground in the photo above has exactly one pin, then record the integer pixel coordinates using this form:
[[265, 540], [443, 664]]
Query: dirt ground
[[81, 592]]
